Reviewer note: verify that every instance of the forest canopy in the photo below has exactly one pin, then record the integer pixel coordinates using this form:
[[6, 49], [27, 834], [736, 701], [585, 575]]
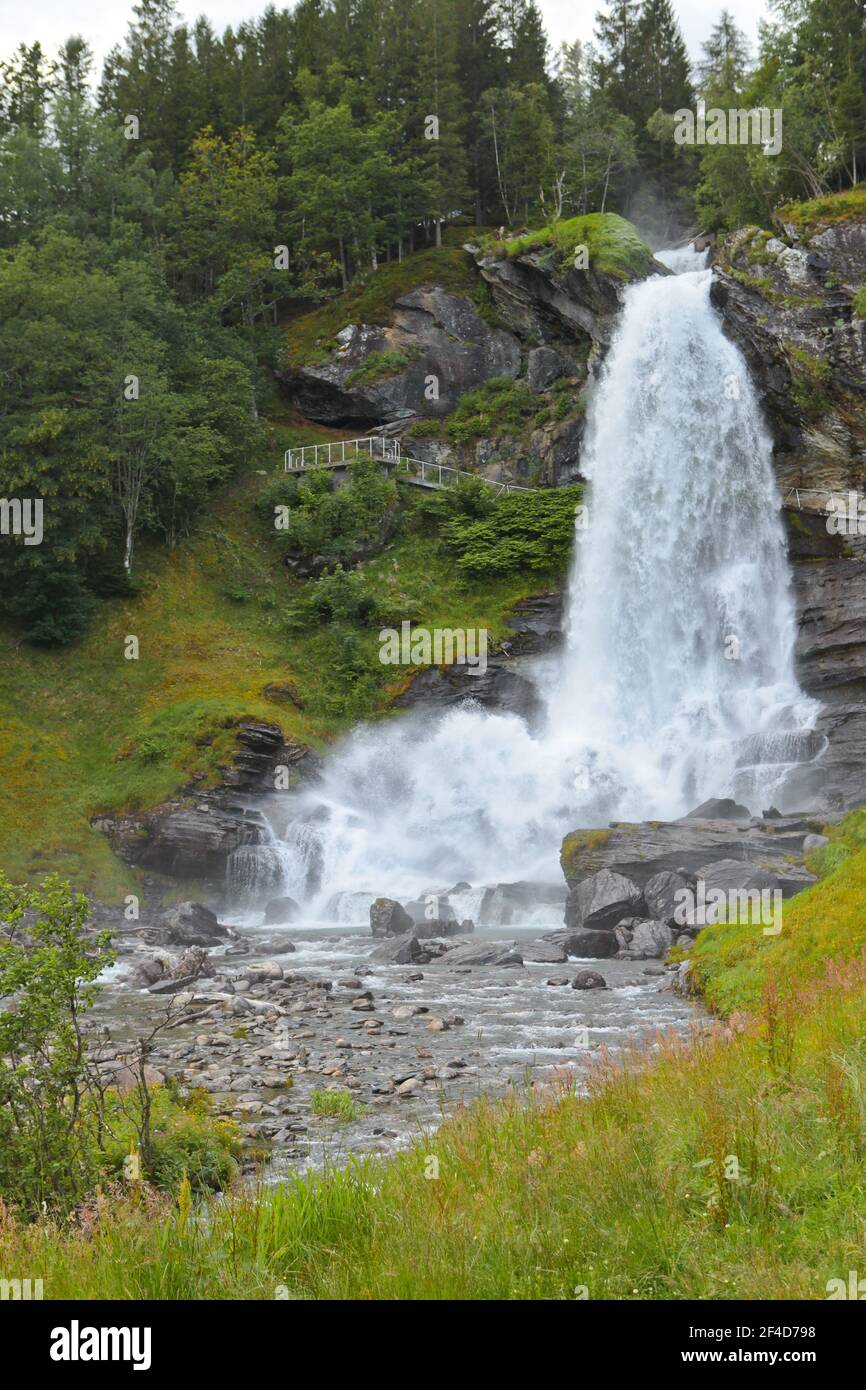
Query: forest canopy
[[160, 220]]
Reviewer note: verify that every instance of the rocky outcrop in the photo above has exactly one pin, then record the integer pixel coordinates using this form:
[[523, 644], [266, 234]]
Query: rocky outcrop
[[381, 374], [635, 889], [787, 301], [537, 626], [643, 851], [194, 835]]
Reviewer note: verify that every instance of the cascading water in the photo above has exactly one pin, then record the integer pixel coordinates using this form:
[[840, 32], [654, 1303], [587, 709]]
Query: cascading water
[[676, 681]]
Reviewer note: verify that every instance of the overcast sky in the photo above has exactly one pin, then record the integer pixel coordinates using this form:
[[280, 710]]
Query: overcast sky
[[103, 22]]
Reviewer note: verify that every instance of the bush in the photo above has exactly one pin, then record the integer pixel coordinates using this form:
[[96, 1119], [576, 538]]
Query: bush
[[525, 531], [330, 525], [47, 981]]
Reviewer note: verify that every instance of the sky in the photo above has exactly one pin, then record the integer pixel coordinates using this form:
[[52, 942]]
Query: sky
[[103, 22]]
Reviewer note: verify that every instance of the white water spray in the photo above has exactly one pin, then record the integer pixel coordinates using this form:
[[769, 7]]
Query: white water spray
[[676, 682]]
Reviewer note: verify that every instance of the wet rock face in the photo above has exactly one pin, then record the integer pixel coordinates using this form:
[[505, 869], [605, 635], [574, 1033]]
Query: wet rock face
[[194, 835], [635, 889], [788, 305]]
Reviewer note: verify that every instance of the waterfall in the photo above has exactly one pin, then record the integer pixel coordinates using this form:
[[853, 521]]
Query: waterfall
[[676, 681]]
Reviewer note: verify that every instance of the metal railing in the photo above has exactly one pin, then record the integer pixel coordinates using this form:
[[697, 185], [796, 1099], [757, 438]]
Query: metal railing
[[814, 499], [341, 452]]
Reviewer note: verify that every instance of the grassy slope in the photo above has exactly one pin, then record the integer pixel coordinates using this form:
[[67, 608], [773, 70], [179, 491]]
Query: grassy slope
[[85, 731], [730, 1167], [613, 245]]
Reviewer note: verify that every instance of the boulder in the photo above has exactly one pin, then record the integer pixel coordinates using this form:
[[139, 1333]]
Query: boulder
[[723, 808], [590, 943], [588, 979], [660, 894], [488, 953], [544, 952], [193, 924], [283, 909], [194, 963], [644, 939], [402, 950], [388, 918], [600, 901]]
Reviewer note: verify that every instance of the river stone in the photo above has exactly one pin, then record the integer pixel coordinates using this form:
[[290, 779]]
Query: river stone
[[588, 979], [401, 950], [590, 944], [388, 918], [647, 940], [602, 900], [544, 952], [490, 953], [281, 910], [193, 924]]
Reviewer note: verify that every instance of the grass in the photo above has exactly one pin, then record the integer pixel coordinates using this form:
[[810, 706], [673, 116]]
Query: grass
[[614, 246], [335, 1104], [729, 1165], [860, 303], [810, 216], [310, 337]]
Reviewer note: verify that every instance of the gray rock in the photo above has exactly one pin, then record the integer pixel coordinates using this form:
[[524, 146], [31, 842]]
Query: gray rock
[[544, 365], [660, 894], [283, 909], [544, 952], [719, 809], [488, 953], [588, 979], [388, 918], [647, 940], [590, 943], [193, 924], [602, 900]]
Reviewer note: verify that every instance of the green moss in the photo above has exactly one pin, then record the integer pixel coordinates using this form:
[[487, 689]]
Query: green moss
[[810, 377], [379, 365], [860, 303], [577, 855], [807, 217], [614, 246], [310, 337]]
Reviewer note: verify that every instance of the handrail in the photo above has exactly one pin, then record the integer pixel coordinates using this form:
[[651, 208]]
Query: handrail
[[388, 451]]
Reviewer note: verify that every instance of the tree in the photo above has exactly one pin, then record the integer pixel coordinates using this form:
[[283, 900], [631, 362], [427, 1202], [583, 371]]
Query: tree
[[48, 973]]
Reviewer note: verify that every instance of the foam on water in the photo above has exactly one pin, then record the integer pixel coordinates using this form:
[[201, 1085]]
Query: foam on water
[[678, 664]]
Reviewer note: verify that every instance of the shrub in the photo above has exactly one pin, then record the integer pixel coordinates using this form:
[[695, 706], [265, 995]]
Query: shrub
[[47, 981], [525, 531]]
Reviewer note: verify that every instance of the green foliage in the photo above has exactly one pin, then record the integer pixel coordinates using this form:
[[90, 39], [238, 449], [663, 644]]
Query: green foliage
[[614, 246], [336, 597], [526, 531], [379, 365], [326, 524], [185, 1141], [335, 1104], [48, 971], [860, 303], [500, 406], [77, 325]]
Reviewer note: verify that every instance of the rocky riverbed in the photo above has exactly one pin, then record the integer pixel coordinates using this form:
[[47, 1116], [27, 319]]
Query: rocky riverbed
[[282, 1014]]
